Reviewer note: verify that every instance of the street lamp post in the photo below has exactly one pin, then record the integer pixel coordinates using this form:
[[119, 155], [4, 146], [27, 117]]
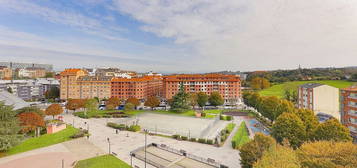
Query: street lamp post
[[108, 144], [146, 131]]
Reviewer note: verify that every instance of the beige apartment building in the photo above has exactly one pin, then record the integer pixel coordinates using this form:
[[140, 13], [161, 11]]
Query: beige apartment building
[[32, 72], [70, 89], [94, 86], [5, 73], [319, 98]]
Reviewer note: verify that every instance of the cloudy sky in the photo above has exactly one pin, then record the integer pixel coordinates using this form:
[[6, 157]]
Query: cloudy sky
[[180, 35]]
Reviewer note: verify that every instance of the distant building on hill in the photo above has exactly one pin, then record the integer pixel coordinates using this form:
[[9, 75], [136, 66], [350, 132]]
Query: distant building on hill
[[15, 65], [349, 109], [319, 98]]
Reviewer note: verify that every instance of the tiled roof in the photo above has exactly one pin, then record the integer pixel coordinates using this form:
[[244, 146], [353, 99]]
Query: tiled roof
[[140, 79], [352, 88], [70, 71]]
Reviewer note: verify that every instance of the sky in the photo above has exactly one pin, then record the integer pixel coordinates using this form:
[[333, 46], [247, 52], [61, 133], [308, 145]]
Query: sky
[[180, 35]]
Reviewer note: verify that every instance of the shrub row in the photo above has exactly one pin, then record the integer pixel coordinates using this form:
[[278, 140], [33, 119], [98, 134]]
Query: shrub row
[[133, 128], [79, 134], [225, 117], [200, 140], [227, 131]]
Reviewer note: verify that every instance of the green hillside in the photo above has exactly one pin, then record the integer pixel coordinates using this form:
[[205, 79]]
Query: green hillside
[[278, 90]]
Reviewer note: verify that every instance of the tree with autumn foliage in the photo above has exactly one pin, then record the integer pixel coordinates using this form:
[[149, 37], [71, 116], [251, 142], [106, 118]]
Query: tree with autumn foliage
[[328, 154], [259, 83], [54, 109], [192, 99], [75, 104], [152, 102], [31, 122], [333, 130], [133, 101], [9, 127], [112, 103], [278, 156], [253, 150]]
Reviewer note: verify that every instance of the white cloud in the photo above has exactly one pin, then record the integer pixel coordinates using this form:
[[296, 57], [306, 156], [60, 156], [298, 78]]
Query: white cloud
[[255, 34]]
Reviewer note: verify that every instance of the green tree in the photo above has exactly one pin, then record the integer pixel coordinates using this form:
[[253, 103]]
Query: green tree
[[192, 99], [284, 106], [9, 128], [9, 89], [215, 99], [180, 100], [49, 75], [253, 150], [91, 105], [278, 157], [332, 130], [309, 119], [52, 93], [129, 107], [328, 154], [289, 126], [269, 107], [202, 99], [152, 102], [258, 83]]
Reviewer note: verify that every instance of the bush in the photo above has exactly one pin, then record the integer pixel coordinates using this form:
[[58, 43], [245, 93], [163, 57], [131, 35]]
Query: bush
[[234, 144], [209, 141], [203, 114], [193, 139], [229, 118], [221, 117], [176, 136], [201, 140], [134, 128], [184, 138], [79, 134], [111, 124]]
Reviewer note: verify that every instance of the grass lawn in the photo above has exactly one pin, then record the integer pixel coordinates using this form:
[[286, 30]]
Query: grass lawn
[[241, 137], [105, 161], [278, 90], [190, 113], [43, 141]]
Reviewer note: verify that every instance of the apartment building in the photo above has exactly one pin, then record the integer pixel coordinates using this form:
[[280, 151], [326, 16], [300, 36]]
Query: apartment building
[[115, 72], [138, 87], [32, 72], [228, 86], [94, 86], [69, 87], [5, 73], [322, 99], [24, 89], [349, 109], [16, 65]]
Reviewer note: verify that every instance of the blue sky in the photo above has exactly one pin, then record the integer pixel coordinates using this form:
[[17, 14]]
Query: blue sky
[[180, 35]]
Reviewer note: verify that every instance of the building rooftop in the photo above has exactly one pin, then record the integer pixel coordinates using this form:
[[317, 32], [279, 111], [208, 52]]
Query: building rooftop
[[311, 85], [10, 99], [352, 88]]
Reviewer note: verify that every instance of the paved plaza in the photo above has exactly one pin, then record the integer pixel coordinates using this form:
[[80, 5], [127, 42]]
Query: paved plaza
[[51, 157], [186, 126], [124, 142]]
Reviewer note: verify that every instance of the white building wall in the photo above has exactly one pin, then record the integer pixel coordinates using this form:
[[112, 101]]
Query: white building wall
[[326, 100]]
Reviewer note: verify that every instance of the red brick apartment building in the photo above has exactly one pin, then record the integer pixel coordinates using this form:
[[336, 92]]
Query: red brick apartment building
[[228, 86], [349, 109], [140, 87]]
